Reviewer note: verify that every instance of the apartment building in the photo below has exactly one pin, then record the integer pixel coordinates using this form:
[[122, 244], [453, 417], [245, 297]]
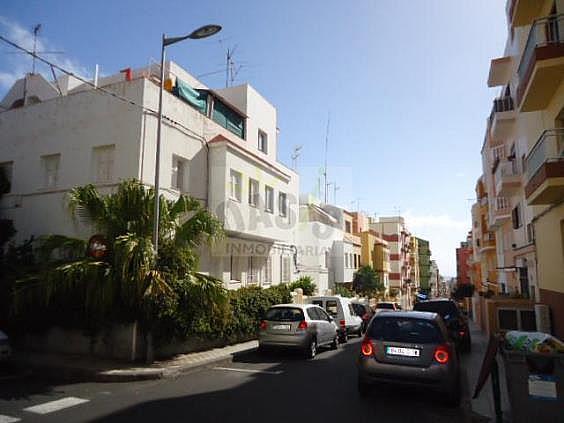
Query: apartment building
[[376, 254], [424, 254], [414, 263], [463, 259], [394, 231], [219, 146], [523, 156]]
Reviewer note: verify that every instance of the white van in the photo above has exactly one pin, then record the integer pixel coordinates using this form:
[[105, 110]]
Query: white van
[[341, 310]]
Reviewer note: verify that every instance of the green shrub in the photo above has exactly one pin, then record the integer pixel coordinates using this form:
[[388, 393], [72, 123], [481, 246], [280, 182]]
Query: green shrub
[[305, 283], [343, 291]]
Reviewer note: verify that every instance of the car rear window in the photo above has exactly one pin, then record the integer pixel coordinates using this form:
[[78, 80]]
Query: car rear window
[[442, 308], [359, 309], [405, 330], [284, 314], [331, 307], [388, 306]]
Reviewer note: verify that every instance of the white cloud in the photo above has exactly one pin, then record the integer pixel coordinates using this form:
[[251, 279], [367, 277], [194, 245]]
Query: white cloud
[[16, 64], [444, 234]]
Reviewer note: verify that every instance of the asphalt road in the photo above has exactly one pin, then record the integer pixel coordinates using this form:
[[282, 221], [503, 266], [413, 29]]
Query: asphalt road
[[275, 388]]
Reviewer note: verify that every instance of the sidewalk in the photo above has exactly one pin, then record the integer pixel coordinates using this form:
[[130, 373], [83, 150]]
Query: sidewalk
[[483, 406], [100, 370]]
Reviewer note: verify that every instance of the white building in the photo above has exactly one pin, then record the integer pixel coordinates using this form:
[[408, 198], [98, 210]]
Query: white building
[[219, 146]]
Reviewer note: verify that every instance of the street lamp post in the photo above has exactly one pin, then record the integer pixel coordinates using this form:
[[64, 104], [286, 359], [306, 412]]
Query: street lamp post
[[203, 32]]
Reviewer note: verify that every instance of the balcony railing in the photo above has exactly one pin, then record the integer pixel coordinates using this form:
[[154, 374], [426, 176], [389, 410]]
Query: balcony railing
[[506, 168], [549, 148], [544, 32], [502, 104]]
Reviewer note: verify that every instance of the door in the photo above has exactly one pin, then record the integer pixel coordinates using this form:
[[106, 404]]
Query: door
[[328, 327]]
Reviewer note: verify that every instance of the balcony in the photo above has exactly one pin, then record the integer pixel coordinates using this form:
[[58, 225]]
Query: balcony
[[500, 212], [500, 71], [542, 64], [502, 117], [523, 12], [488, 242], [507, 178], [545, 169]]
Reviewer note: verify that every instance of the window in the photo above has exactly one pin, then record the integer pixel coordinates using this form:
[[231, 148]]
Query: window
[[348, 227], [331, 307], [516, 217], [7, 169], [312, 313], [179, 168], [405, 330], [267, 271], [235, 185], [284, 314], [283, 204], [228, 118], [235, 268], [285, 268], [50, 168], [104, 163], [253, 192], [268, 199], [262, 141], [530, 233], [252, 270], [322, 314]]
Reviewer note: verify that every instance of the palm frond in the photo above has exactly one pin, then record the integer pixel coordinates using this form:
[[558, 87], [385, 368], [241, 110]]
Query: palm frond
[[63, 245]]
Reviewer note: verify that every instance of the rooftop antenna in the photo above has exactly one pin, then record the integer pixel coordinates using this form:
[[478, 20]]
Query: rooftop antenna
[[36, 30], [326, 148], [335, 189], [295, 156]]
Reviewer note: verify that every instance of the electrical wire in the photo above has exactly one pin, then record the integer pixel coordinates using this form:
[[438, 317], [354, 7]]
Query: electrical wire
[[103, 90]]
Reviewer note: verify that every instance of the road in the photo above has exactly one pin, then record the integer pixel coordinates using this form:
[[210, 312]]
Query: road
[[275, 388]]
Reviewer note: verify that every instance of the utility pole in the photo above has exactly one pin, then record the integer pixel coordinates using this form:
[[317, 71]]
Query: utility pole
[[326, 148]]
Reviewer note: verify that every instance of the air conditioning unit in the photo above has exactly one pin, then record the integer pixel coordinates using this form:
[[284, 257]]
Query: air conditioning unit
[[542, 316]]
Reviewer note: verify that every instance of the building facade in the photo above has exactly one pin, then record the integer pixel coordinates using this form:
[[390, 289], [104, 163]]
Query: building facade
[[219, 146]]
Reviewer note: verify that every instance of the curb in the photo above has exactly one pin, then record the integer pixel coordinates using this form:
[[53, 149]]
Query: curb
[[128, 374]]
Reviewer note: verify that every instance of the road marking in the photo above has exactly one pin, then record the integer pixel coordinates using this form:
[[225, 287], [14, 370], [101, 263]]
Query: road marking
[[266, 372], [8, 419], [49, 407]]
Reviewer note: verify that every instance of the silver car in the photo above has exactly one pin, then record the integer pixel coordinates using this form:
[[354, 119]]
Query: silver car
[[298, 326]]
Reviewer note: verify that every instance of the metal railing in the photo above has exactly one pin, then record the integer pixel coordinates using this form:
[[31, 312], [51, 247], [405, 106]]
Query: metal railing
[[506, 168], [549, 147], [502, 104], [502, 205], [544, 32]]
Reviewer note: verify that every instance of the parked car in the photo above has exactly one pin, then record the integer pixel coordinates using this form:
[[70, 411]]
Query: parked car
[[455, 320], [342, 311], [387, 306], [5, 349], [364, 312], [412, 349], [298, 326]]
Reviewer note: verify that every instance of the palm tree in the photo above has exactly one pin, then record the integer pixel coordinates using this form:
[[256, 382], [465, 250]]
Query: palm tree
[[131, 276]]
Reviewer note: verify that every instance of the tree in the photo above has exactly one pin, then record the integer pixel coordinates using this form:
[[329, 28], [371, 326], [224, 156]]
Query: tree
[[131, 277], [367, 282], [305, 283]]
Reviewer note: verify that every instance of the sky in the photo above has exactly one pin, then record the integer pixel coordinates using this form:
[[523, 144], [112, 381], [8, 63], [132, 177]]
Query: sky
[[402, 84]]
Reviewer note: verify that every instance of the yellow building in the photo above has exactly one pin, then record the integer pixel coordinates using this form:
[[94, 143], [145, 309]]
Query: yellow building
[[376, 254], [523, 156]]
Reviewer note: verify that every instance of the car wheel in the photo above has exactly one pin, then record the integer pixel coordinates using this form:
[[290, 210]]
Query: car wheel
[[311, 350], [335, 343], [343, 338], [363, 388]]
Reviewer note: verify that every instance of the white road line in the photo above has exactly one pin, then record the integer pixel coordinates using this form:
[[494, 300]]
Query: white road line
[[232, 369], [49, 407], [8, 419]]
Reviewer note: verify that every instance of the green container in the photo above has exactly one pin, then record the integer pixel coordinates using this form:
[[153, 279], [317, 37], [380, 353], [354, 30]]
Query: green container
[[535, 383]]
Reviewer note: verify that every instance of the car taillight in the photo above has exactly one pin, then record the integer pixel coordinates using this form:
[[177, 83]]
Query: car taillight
[[441, 354], [367, 348], [342, 323], [262, 325], [461, 333], [302, 325]]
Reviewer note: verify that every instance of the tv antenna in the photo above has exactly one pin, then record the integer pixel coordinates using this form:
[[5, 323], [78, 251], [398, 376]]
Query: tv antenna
[[231, 68], [335, 189], [326, 148], [36, 30], [295, 155]]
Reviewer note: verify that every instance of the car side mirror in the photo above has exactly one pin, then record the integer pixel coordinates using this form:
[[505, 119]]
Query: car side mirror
[[331, 319]]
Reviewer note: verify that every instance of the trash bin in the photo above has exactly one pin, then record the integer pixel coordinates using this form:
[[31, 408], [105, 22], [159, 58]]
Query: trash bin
[[535, 384]]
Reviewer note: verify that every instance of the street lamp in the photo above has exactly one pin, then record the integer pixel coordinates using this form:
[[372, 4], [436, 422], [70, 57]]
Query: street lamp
[[202, 32]]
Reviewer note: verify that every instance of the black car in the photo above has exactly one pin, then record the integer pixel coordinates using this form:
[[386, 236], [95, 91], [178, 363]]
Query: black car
[[409, 349], [455, 321]]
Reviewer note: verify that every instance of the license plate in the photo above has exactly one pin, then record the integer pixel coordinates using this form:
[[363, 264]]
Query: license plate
[[406, 352], [281, 327]]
